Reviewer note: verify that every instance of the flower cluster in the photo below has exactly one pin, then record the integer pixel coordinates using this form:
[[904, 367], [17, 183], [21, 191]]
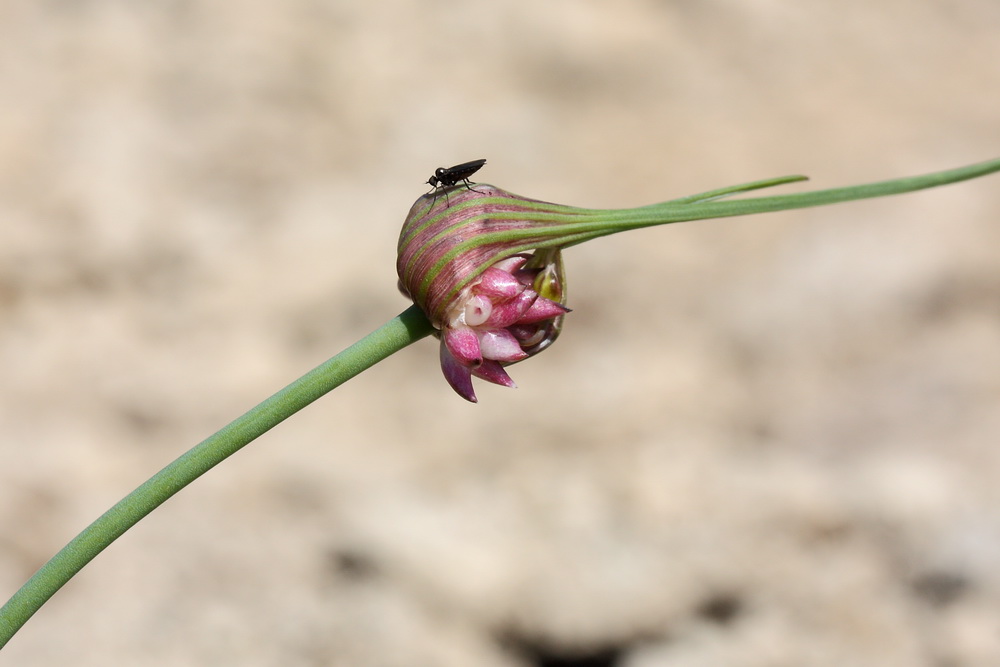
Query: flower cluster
[[498, 319], [489, 282]]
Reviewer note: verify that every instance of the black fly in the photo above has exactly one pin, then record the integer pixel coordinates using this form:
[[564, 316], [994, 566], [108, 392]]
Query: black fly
[[446, 177]]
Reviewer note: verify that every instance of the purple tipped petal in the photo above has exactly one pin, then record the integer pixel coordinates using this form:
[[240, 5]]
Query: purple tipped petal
[[506, 314], [543, 309], [463, 344], [498, 284], [458, 375], [492, 371], [500, 345]]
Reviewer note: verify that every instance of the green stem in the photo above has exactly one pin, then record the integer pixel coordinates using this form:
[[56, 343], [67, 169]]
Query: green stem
[[707, 205], [408, 327]]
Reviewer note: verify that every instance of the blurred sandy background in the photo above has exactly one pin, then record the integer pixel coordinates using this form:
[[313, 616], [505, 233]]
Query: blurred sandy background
[[760, 442]]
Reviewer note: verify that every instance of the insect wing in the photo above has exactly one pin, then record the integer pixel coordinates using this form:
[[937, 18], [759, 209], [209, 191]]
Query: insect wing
[[460, 172]]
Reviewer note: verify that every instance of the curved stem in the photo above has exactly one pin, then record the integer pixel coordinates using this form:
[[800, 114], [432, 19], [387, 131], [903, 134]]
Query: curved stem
[[408, 327]]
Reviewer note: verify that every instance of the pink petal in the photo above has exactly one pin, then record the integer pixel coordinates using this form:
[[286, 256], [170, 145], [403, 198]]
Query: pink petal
[[543, 309], [506, 314], [498, 284], [458, 375], [463, 344], [492, 371], [500, 345]]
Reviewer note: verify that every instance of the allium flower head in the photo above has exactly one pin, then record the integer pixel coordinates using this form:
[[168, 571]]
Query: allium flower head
[[493, 301]]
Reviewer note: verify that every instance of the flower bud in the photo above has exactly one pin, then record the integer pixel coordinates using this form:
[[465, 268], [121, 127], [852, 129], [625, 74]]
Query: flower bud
[[493, 300]]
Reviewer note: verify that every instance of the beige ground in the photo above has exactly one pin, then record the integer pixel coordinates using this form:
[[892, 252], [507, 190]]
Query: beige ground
[[761, 442]]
